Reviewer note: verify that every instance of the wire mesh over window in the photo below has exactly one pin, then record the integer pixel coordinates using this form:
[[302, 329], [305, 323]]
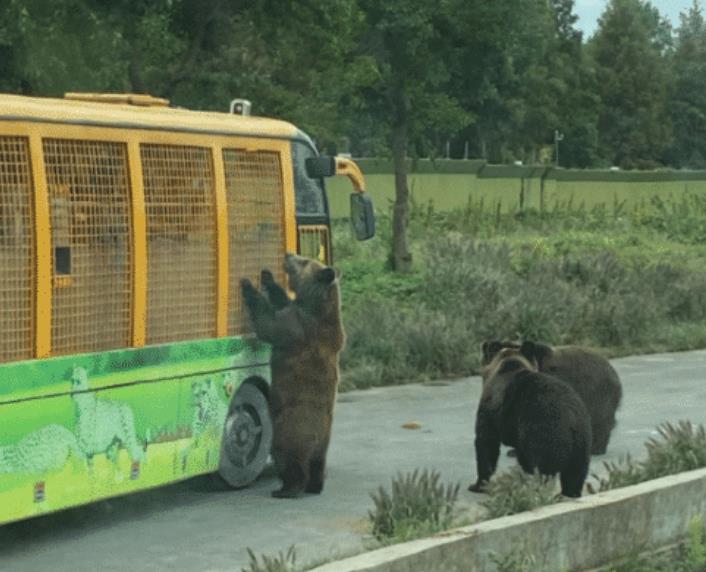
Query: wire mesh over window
[[181, 254], [255, 222], [89, 200], [16, 250], [314, 243]]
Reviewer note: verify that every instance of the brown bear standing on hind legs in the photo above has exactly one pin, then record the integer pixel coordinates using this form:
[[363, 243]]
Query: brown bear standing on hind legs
[[307, 337], [589, 373], [541, 416]]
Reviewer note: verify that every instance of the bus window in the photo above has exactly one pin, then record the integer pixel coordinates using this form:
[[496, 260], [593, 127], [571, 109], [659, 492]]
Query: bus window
[[309, 192], [16, 248], [89, 198], [181, 254], [255, 193]]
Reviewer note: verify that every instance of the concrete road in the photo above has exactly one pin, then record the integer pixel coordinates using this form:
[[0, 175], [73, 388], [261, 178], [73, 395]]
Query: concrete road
[[193, 526]]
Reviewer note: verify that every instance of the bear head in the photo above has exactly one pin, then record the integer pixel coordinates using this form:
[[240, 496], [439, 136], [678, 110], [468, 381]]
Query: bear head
[[501, 357], [534, 351], [315, 285]]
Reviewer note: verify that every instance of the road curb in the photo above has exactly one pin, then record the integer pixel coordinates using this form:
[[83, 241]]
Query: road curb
[[578, 534]]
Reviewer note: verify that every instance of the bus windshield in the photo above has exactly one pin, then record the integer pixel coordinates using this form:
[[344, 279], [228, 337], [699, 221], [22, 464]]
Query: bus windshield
[[309, 192]]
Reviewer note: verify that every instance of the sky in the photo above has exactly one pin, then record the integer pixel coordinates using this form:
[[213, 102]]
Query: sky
[[589, 11]]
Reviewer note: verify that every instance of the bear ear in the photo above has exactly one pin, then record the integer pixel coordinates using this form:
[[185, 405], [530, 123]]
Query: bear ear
[[535, 351], [528, 350], [489, 349], [327, 275]]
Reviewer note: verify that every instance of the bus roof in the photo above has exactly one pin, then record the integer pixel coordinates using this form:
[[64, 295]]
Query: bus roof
[[137, 112]]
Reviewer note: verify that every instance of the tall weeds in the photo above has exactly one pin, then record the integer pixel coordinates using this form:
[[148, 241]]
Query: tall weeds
[[625, 279]]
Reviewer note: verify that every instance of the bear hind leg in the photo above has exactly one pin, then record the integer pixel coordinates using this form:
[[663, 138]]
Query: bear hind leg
[[601, 435], [294, 475], [525, 461], [317, 467], [571, 483]]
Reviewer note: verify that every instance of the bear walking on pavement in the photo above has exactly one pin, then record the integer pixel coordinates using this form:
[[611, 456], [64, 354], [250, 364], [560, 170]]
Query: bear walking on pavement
[[541, 416], [587, 372], [306, 336]]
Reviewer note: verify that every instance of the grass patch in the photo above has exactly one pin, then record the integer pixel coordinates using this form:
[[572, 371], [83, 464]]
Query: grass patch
[[515, 491], [282, 562], [622, 280], [687, 556], [514, 562], [677, 448], [417, 505]]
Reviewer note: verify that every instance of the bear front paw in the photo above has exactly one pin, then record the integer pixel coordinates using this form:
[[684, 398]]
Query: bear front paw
[[478, 487], [249, 290]]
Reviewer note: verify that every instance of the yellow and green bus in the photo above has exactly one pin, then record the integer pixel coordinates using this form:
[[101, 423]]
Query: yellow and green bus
[[125, 228]]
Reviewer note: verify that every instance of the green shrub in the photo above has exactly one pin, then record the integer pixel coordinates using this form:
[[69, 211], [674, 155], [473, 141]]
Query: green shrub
[[678, 448], [283, 562], [620, 278], [417, 505], [515, 491]]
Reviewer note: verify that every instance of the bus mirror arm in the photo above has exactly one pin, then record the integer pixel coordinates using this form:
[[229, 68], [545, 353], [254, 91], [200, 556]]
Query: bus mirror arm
[[352, 171], [362, 214]]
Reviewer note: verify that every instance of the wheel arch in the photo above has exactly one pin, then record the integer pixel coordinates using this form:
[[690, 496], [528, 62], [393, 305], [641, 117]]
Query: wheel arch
[[259, 382]]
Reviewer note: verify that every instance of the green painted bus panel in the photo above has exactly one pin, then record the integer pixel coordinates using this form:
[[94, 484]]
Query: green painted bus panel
[[116, 422], [38, 378]]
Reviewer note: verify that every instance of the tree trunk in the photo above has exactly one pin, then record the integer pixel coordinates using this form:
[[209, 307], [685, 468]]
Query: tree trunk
[[137, 85], [401, 256]]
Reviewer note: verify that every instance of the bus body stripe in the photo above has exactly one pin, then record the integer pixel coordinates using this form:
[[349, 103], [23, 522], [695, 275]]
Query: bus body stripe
[[221, 211], [139, 246], [43, 250]]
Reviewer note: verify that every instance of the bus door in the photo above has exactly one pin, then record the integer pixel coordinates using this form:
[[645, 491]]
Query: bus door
[[313, 224]]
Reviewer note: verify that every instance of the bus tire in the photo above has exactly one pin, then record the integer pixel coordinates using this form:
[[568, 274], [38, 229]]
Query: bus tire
[[247, 437]]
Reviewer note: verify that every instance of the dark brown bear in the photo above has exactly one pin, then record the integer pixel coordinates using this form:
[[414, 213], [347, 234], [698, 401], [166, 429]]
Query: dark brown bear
[[589, 373], [541, 416], [306, 337]]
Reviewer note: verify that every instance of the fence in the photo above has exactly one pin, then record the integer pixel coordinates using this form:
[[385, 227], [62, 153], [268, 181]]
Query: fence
[[449, 183]]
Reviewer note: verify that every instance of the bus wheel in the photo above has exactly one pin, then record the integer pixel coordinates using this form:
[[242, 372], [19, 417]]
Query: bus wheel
[[247, 437]]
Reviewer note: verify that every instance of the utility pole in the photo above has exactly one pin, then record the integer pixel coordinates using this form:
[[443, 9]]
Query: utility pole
[[557, 137]]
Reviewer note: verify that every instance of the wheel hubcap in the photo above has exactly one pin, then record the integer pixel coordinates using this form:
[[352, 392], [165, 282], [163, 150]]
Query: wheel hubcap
[[243, 433]]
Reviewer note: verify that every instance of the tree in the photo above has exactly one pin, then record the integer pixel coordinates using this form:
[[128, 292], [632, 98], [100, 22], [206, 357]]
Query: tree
[[688, 93], [629, 53], [406, 40]]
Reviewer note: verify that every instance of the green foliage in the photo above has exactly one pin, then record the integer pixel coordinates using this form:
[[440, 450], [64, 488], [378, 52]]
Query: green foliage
[[689, 556], [515, 491], [499, 76], [283, 562], [417, 505], [632, 73], [688, 91], [514, 562], [624, 279], [678, 448]]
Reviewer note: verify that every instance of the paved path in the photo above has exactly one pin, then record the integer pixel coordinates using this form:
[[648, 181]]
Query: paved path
[[191, 526]]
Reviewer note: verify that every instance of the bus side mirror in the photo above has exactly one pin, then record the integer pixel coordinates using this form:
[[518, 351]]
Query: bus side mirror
[[362, 216], [320, 167]]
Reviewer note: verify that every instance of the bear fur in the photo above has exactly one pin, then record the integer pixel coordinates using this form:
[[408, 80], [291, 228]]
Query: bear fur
[[306, 336], [540, 415], [589, 373]]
